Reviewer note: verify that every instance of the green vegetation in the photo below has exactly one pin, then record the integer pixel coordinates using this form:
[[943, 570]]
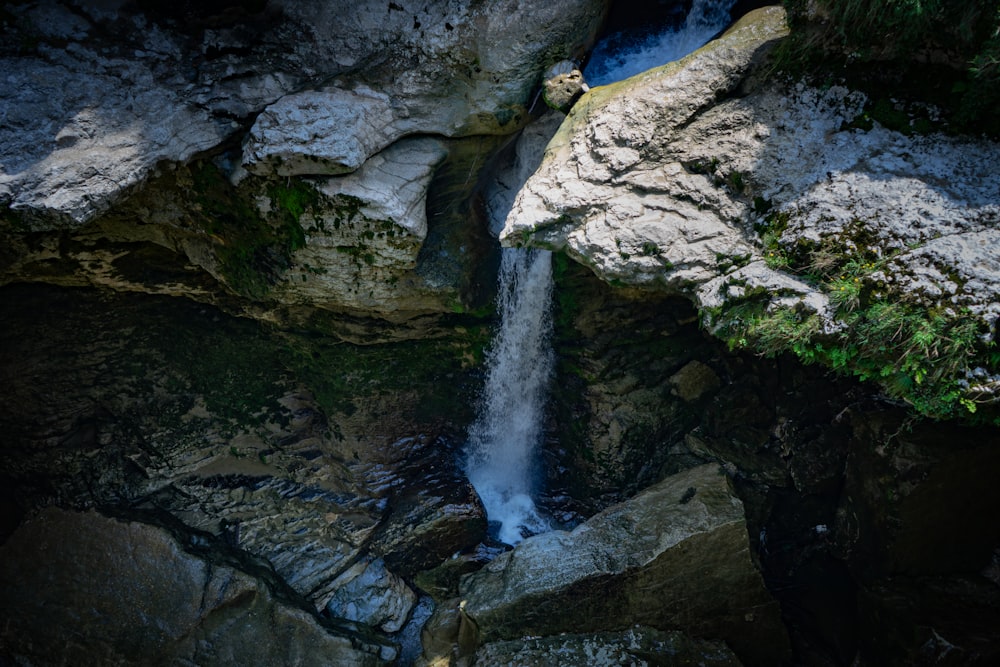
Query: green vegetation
[[433, 372], [885, 46], [241, 368], [253, 251], [917, 354]]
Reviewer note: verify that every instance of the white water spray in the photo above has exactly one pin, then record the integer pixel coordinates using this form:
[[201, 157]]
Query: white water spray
[[620, 56], [506, 434]]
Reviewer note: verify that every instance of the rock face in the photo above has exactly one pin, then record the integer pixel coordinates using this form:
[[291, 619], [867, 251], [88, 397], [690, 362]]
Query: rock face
[[735, 201], [178, 410], [84, 588], [95, 115], [189, 139], [584, 196], [675, 556]]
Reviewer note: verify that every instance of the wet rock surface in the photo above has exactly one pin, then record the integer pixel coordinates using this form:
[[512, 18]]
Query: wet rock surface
[[176, 409]]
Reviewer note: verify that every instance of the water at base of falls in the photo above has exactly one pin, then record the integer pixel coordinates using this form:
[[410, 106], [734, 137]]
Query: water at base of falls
[[621, 55], [501, 450]]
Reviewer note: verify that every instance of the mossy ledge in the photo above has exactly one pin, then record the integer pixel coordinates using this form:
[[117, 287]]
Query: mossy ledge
[[938, 359]]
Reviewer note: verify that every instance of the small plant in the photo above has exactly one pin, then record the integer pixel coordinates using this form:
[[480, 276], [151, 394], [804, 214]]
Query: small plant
[[845, 292], [736, 182], [649, 249]]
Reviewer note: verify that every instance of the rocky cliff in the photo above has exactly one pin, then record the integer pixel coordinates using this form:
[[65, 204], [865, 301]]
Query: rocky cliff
[[245, 280], [791, 222]]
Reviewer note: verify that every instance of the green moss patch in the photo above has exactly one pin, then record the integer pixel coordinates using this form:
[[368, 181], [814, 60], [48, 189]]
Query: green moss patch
[[253, 250]]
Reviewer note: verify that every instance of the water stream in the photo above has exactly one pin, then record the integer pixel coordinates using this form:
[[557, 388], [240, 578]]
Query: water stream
[[501, 458], [502, 442], [624, 54]]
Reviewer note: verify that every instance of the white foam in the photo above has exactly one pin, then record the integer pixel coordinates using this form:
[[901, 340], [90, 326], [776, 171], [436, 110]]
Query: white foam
[[620, 56], [507, 432]]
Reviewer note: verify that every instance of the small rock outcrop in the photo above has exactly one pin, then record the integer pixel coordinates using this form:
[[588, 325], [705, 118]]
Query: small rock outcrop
[[676, 556], [564, 84], [83, 588]]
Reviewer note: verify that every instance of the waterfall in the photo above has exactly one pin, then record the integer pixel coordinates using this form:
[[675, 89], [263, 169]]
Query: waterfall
[[622, 55], [503, 439], [502, 442]]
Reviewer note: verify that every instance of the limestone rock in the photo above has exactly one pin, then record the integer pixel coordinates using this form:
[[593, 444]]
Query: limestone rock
[[362, 243], [98, 97], [82, 588], [612, 193], [723, 177], [674, 556], [520, 164], [323, 132], [563, 88], [637, 646]]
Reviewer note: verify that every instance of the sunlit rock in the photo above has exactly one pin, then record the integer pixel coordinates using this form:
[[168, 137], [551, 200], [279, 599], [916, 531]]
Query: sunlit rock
[[100, 97], [733, 186], [564, 84]]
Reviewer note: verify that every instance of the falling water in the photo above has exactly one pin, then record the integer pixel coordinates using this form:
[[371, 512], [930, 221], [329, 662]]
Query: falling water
[[504, 437], [622, 55], [500, 455]]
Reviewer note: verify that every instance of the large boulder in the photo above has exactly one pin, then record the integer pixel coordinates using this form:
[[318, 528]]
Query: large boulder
[[675, 556], [786, 214], [616, 196], [83, 588]]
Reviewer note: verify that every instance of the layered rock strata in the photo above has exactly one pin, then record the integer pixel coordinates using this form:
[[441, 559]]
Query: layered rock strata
[[79, 587]]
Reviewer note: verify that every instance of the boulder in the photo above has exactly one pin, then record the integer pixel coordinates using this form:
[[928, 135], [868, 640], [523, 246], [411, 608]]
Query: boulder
[[563, 86], [693, 381], [616, 196], [368, 593], [676, 556], [85, 589]]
